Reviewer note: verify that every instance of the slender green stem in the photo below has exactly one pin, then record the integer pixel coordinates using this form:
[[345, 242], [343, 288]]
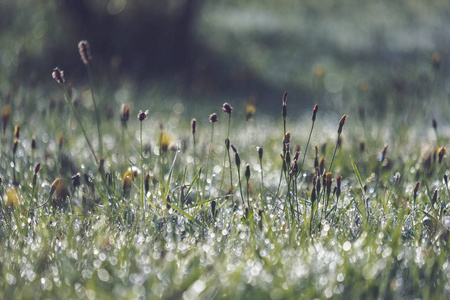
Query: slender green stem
[[227, 150], [334, 153], [69, 100], [306, 148], [240, 186], [97, 114], [142, 169], [207, 161], [263, 196]]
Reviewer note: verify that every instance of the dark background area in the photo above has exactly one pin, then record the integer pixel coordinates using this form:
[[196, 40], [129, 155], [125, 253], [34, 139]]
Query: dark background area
[[250, 51]]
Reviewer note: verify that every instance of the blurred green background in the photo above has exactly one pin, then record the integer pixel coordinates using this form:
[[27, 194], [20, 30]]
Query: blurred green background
[[340, 54]]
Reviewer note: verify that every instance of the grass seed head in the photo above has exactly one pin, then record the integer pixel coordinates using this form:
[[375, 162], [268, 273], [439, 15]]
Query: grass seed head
[[17, 131], [416, 189], [213, 118], [85, 51], [383, 153], [338, 185], [247, 171], [260, 152], [314, 113], [76, 180], [58, 75], [442, 152], [329, 180], [142, 115], [322, 166], [446, 179], [37, 168], [434, 199], [226, 108], [125, 114], [284, 110], [434, 123], [33, 143], [193, 126], [362, 147], [341, 123]]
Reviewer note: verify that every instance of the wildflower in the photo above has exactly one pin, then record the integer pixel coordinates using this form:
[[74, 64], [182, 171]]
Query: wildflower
[[13, 198], [250, 111], [213, 118], [226, 108], [85, 51], [58, 75], [164, 141]]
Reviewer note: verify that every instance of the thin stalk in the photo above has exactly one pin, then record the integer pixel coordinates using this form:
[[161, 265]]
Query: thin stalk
[[207, 161], [227, 150], [262, 181], [306, 148], [142, 169], [69, 100], [97, 115], [334, 153]]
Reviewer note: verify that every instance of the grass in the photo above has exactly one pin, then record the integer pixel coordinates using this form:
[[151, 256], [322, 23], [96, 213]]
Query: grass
[[154, 223]]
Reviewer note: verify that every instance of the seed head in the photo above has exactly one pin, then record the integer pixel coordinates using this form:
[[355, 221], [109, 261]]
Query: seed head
[[33, 143], [76, 180], [37, 168], [383, 153], [213, 118], [329, 179], [287, 138], [446, 179], [147, 182], [142, 115], [284, 111], [234, 149], [435, 195], [442, 152], [315, 109], [226, 108], [341, 123], [416, 189], [17, 131], [227, 144], [193, 126], [338, 185], [85, 51], [55, 185], [434, 123], [125, 114], [321, 165], [58, 75], [247, 171]]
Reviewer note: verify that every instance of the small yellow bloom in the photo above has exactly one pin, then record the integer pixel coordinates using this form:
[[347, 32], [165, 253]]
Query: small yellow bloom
[[13, 198]]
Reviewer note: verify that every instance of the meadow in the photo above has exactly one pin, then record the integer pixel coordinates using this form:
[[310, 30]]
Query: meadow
[[110, 191]]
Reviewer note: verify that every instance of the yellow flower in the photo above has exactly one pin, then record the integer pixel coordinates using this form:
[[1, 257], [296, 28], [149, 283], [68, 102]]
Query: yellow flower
[[13, 198]]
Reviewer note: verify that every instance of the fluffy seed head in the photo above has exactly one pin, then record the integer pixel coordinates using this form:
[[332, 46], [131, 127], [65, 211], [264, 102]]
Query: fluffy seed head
[[85, 51], [226, 108], [58, 75], [213, 118]]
